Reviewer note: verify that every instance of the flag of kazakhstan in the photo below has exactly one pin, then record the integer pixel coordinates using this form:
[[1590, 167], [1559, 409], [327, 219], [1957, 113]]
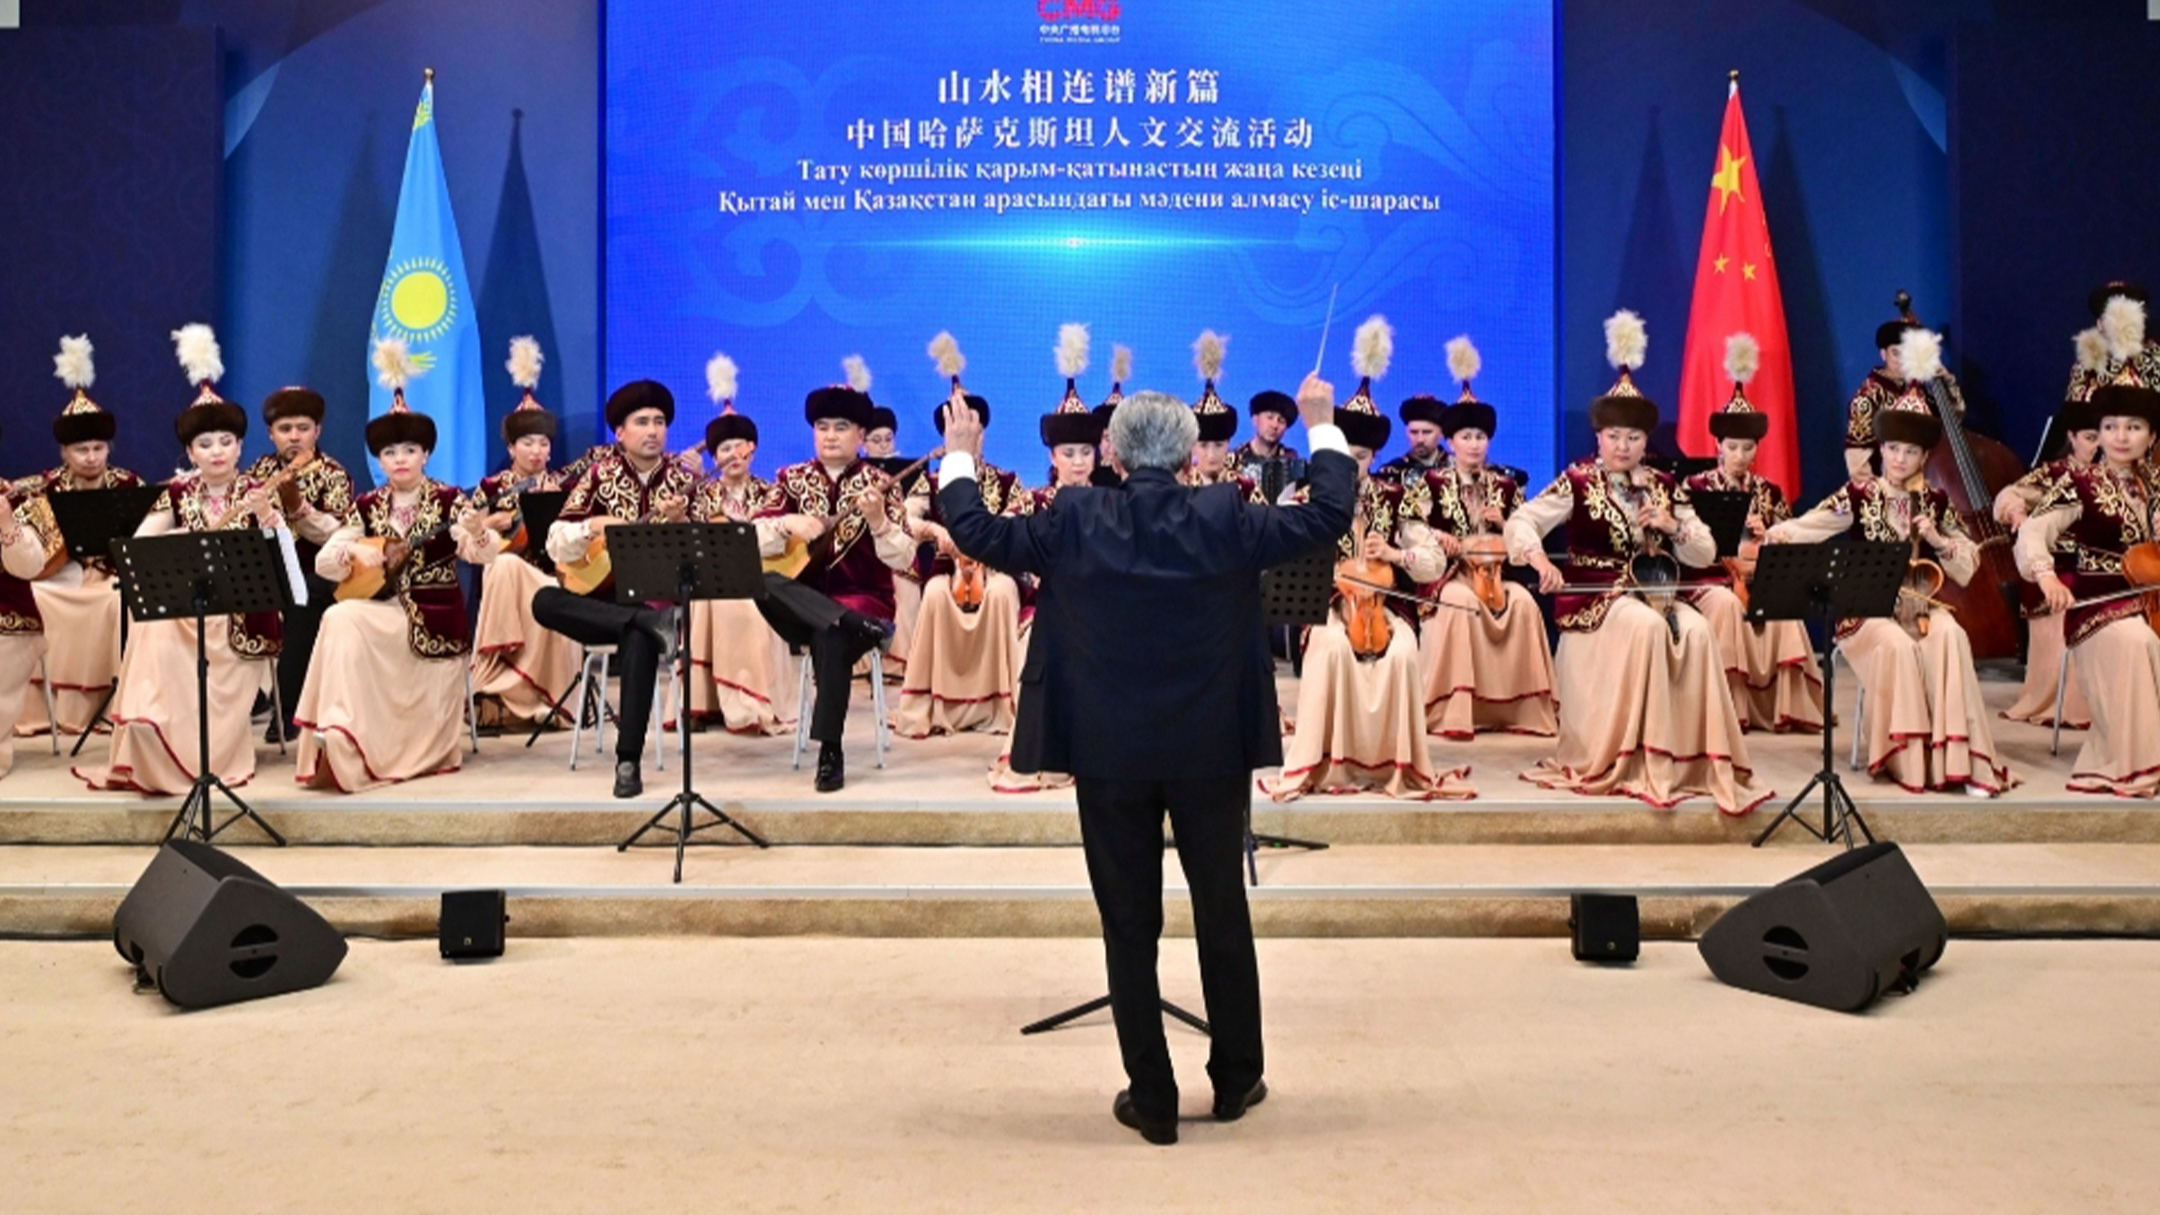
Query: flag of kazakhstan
[[427, 300]]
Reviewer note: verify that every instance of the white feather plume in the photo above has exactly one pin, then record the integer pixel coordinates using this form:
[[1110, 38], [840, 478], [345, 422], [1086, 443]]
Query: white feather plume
[[2122, 323], [1463, 359], [394, 366], [525, 360], [2092, 349], [1920, 354], [1207, 353], [73, 364], [1743, 356], [857, 372], [1072, 349], [1120, 363], [1627, 340], [720, 378], [1373, 348], [945, 350], [197, 346]]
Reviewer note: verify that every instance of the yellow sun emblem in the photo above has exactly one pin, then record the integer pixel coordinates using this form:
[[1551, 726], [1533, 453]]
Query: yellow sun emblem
[[418, 302]]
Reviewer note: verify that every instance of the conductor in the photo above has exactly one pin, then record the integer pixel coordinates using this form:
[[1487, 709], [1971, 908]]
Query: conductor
[[1148, 678]]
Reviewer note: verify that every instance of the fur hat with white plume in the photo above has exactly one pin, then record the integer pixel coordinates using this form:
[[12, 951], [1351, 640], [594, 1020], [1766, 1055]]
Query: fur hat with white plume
[[529, 418], [2126, 394], [945, 353], [720, 386], [1072, 421], [1739, 419], [395, 367], [1120, 371], [1910, 418], [1627, 344], [1218, 423], [1370, 353], [2122, 326], [197, 346], [1468, 412], [80, 420]]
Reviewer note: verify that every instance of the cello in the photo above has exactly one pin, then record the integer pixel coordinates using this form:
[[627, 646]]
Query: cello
[[1972, 469]]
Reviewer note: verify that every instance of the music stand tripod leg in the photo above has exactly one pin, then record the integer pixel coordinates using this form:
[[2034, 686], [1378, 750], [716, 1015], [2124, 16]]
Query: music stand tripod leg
[[1099, 1003], [100, 714], [555, 709]]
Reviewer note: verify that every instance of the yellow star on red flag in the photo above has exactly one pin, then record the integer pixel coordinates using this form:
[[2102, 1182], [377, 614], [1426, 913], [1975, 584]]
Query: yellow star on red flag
[[1726, 181]]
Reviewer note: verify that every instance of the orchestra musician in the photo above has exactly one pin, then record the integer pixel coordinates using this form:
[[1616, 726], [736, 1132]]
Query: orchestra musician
[[314, 502], [1265, 459], [2079, 429], [1879, 390], [965, 653], [739, 669], [1776, 683], [384, 699], [78, 601], [2106, 511], [23, 553], [1645, 709], [156, 721], [1218, 425], [636, 482], [1926, 726], [518, 665], [1487, 664], [2119, 312], [1360, 724]]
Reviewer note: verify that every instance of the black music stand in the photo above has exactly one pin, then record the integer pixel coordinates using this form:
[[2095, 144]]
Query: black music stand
[[1724, 512], [539, 509], [202, 574], [1830, 581], [683, 563], [1296, 593], [89, 521]]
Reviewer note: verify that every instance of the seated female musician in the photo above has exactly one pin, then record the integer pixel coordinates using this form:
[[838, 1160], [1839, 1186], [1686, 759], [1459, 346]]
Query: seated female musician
[[2106, 511], [524, 667], [739, 668], [1487, 665], [1926, 725], [383, 699], [1645, 709], [1211, 463], [2080, 430], [964, 659], [156, 722], [1360, 723], [1776, 684], [25, 547], [1072, 432]]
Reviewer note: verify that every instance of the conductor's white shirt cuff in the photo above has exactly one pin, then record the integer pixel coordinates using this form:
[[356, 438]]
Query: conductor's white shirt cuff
[[957, 466], [1328, 438]]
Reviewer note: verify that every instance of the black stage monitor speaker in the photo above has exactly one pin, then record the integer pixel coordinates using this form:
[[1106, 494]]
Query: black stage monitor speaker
[[471, 923], [1837, 936], [208, 930], [1606, 927]]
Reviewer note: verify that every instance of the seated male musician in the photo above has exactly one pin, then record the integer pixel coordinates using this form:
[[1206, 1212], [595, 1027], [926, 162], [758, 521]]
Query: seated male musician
[[634, 482], [314, 504]]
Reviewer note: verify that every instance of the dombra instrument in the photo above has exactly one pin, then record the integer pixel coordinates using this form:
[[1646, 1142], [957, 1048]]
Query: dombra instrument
[[1972, 469], [590, 572], [271, 485], [1357, 580], [373, 581], [801, 554], [41, 512], [517, 541]]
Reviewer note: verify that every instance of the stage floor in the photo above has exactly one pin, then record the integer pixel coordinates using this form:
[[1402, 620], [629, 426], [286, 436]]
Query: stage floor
[[851, 1075]]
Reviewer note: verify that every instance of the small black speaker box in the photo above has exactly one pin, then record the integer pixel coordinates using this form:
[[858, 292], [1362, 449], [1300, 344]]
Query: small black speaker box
[[1836, 936], [208, 930], [1606, 927], [471, 925]]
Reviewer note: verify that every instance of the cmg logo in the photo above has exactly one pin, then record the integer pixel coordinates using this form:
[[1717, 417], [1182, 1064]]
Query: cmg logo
[[1078, 10]]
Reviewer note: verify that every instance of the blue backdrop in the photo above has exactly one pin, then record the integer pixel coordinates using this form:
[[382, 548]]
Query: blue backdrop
[[717, 117]]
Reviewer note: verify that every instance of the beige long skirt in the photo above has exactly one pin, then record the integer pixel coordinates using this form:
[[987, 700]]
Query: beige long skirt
[[82, 652], [1360, 726], [1776, 682], [2119, 669], [740, 670], [156, 731], [1927, 727], [372, 712], [907, 599], [514, 658], [963, 666], [1646, 717], [2043, 663], [1486, 672], [19, 654], [1002, 777]]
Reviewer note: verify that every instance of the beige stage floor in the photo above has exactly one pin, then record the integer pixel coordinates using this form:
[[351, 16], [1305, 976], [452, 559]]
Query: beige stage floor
[[887, 1076]]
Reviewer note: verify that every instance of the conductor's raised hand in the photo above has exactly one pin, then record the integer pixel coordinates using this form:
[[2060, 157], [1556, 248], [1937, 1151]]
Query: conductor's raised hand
[[963, 429], [1316, 402]]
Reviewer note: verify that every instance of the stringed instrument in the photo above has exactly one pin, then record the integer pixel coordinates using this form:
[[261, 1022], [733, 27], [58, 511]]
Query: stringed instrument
[[1364, 615], [1484, 556], [801, 554], [373, 581], [516, 542], [1972, 469], [591, 572], [969, 584], [1741, 566], [272, 484]]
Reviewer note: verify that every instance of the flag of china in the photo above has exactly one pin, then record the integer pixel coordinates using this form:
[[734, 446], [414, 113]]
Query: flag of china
[[1736, 290]]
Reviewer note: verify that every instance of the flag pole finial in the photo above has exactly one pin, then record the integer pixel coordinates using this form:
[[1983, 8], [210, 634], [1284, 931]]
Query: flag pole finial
[[1733, 75], [429, 73]]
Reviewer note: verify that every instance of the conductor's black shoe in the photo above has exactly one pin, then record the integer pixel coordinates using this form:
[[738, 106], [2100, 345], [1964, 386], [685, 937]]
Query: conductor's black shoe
[[1128, 1114], [629, 782], [831, 768], [1230, 1109]]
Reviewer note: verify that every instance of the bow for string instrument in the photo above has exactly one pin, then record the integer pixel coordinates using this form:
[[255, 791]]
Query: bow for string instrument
[[2141, 569], [801, 554], [1972, 469], [1652, 575]]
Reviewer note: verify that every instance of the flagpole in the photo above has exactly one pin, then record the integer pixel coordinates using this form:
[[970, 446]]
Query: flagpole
[[1732, 88]]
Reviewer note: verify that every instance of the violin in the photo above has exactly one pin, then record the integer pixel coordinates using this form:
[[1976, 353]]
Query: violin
[[1357, 580]]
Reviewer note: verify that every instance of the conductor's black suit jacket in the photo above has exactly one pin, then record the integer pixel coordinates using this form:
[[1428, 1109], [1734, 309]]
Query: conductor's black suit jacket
[[1149, 658]]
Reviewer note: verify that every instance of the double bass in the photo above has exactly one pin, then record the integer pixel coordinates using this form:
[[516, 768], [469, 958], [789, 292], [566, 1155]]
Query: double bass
[[1972, 469]]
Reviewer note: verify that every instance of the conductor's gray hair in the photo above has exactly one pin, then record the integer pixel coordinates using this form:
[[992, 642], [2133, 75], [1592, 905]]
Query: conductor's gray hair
[[1153, 430]]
